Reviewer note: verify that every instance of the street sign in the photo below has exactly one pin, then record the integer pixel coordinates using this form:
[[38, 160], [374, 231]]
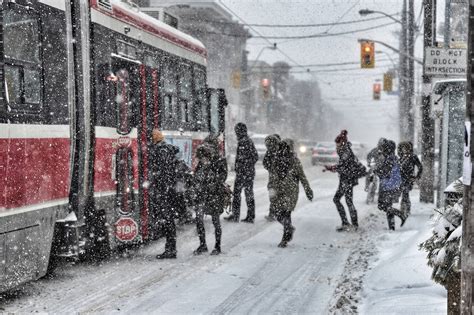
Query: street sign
[[445, 62], [126, 229]]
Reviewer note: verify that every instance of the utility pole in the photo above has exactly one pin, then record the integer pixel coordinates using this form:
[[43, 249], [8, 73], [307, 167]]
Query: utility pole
[[410, 112], [467, 247], [427, 123], [402, 104]]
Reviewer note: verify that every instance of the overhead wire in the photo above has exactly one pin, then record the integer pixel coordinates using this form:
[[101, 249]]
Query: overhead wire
[[300, 25]]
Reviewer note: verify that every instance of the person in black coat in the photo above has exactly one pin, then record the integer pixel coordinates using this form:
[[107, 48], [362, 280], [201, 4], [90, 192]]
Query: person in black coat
[[245, 161], [390, 181], [162, 191], [272, 143], [209, 179], [347, 180], [408, 162]]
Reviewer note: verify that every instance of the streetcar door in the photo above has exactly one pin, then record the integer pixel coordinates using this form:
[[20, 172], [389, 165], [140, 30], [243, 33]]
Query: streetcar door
[[126, 77]]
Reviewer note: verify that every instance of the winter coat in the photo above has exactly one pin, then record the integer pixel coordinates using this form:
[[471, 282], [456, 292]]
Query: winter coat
[[163, 176], [270, 159], [408, 163], [209, 182], [383, 169], [288, 174], [346, 167], [245, 159]]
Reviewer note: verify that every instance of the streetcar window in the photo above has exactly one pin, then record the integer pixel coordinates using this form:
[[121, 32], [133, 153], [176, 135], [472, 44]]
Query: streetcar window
[[170, 89], [126, 49], [13, 80], [185, 94], [201, 109], [22, 58], [21, 35], [214, 109], [123, 102], [32, 86]]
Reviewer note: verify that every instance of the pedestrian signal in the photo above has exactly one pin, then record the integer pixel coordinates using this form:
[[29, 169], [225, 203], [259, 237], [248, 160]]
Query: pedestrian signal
[[387, 82], [367, 55], [377, 90]]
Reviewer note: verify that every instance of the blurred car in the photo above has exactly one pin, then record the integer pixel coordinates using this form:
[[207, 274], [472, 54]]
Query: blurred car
[[360, 149], [303, 147], [259, 142], [324, 152]]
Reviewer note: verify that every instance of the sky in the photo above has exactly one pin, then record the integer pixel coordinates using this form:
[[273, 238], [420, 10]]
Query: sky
[[346, 91]]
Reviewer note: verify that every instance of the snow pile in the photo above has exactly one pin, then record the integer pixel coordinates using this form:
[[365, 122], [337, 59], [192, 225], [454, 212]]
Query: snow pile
[[399, 280]]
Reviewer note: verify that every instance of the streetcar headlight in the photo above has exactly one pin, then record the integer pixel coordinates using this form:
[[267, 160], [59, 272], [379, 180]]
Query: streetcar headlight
[[303, 149]]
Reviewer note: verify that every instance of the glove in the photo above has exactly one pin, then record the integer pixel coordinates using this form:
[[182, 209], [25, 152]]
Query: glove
[[309, 194]]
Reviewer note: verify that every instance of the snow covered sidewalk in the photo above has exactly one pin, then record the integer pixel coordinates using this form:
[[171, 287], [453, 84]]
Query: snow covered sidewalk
[[398, 280]]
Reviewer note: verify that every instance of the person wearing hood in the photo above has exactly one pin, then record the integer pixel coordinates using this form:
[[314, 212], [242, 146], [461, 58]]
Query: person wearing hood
[[162, 191], [347, 180], [289, 174], [408, 162], [272, 143], [245, 161], [388, 170], [209, 179]]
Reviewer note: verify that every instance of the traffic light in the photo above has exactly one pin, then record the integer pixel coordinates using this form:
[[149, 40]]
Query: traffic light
[[377, 90], [387, 82], [367, 55], [265, 88]]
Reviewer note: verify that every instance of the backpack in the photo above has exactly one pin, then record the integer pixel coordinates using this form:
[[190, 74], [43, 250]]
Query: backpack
[[394, 181]]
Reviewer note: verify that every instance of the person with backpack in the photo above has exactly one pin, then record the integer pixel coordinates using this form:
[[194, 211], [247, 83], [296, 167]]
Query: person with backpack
[[245, 161], [162, 191], [272, 143], [408, 162], [349, 170], [209, 181], [289, 174], [388, 170]]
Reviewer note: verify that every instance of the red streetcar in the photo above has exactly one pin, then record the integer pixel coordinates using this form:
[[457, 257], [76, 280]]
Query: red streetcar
[[83, 84]]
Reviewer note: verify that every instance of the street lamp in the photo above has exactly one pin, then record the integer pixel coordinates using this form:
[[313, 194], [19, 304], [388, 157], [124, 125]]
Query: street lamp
[[273, 47], [365, 12]]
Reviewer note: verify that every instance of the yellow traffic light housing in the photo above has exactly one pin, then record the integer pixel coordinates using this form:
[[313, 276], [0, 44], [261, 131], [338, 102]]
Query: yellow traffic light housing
[[377, 89], [367, 55], [387, 82]]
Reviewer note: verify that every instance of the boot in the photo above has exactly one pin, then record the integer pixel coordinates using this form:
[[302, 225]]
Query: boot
[[283, 244], [270, 218], [232, 218], [216, 250], [248, 220], [166, 255], [345, 227], [292, 231], [201, 249], [202, 245]]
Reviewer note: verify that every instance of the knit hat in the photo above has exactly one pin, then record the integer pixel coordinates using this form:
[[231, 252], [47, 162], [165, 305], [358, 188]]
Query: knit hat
[[342, 137]]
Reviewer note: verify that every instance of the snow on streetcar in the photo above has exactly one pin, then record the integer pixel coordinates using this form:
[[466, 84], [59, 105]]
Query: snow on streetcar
[[84, 83]]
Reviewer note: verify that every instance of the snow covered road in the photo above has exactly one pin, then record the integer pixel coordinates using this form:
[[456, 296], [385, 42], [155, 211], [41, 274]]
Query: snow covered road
[[252, 275]]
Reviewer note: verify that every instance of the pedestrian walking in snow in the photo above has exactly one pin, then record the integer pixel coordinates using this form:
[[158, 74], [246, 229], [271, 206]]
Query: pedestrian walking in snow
[[162, 191], [371, 180], [209, 180], [272, 144], [388, 170], [245, 161], [408, 162], [289, 174], [349, 170]]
